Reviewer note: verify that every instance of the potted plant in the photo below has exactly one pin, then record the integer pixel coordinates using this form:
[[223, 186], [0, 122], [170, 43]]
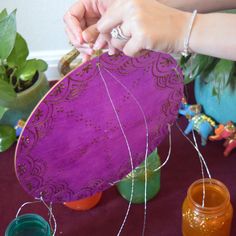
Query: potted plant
[[215, 85], [22, 81]]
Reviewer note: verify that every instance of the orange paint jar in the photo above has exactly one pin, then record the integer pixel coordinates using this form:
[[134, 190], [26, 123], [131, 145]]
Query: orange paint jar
[[84, 204], [212, 219]]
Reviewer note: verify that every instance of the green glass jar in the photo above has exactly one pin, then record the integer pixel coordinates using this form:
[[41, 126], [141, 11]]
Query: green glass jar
[[153, 180], [28, 225]]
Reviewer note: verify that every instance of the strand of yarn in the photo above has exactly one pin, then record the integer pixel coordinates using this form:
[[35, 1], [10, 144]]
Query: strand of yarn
[[198, 151], [128, 147], [146, 148], [202, 170]]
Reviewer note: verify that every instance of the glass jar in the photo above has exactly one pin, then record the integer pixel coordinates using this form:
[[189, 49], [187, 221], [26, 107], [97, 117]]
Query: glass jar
[[212, 219], [153, 181], [28, 225], [84, 204]]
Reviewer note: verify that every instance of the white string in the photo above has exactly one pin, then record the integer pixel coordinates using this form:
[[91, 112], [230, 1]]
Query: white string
[[23, 205], [38, 200], [146, 150], [51, 215], [198, 151], [169, 152], [202, 170], [128, 147]]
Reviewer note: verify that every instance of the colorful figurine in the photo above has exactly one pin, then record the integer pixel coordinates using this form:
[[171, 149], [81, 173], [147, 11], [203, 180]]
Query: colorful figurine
[[227, 132], [198, 121], [19, 127]]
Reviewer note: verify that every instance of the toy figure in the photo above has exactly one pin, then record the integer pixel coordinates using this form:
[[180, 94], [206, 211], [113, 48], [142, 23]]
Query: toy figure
[[197, 121], [227, 132], [19, 127]]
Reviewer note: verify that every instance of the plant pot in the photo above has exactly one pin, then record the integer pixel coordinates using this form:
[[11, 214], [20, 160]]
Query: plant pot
[[153, 181], [25, 101], [221, 108], [84, 204]]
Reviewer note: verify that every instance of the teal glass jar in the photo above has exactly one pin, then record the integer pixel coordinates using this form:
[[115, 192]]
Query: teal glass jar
[[153, 181], [28, 225]]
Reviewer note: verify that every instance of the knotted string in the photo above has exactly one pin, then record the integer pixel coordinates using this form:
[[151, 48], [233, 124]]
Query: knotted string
[[51, 215]]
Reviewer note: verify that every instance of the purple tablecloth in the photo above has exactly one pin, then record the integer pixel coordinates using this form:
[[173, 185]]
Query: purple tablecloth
[[164, 212]]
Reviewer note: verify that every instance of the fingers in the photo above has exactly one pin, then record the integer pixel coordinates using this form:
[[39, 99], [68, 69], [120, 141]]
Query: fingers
[[90, 34], [74, 23], [101, 42], [72, 38], [111, 18], [85, 57], [133, 47], [120, 43]]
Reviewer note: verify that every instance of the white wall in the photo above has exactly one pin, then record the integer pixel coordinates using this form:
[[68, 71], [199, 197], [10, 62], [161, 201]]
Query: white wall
[[41, 23]]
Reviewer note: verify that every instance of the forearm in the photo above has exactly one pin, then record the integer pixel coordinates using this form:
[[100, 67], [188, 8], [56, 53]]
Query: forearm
[[214, 34], [200, 5]]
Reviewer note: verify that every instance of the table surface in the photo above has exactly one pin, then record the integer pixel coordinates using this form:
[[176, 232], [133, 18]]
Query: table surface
[[163, 212]]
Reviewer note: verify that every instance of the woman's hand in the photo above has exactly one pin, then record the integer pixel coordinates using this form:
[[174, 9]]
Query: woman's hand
[[81, 21], [148, 24]]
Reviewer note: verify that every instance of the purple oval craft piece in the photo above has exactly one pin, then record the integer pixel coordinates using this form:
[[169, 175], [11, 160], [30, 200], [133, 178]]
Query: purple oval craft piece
[[72, 145]]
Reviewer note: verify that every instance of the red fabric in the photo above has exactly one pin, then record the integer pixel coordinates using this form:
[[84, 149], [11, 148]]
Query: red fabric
[[164, 212]]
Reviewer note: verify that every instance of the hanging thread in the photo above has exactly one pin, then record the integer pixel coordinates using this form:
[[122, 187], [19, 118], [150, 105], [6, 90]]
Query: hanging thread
[[146, 150], [202, 170], [146, 153], [201, 159], [198, 151], [169, 152], [51, 215], [128, 147]]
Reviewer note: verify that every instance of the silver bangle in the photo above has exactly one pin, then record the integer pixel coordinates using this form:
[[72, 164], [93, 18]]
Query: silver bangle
[[186, 52]]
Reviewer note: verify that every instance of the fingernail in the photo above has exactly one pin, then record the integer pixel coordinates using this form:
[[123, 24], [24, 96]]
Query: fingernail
[[96, 46], [110, 53]]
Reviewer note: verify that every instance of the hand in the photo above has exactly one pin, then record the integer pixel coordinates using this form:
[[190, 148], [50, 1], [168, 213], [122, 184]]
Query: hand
[[81, 21], [148, 24]]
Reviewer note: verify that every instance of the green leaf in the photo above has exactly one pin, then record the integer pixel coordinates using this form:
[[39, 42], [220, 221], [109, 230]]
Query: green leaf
[[222, 72], [28, 71], [41, 65], [2, 70], [7, 137], [7, 91], [2, 111], [3, 14], [7, 35], [197, 65], [214, 92], [19, 53]]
